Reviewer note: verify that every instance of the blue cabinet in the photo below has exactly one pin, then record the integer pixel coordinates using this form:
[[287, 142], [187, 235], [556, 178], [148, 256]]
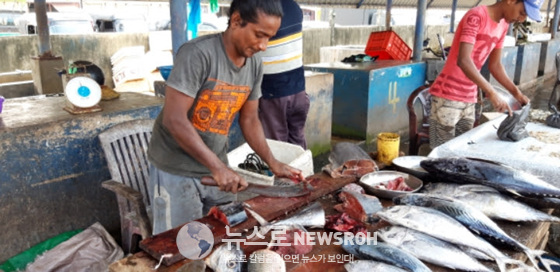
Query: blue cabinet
[[369, 98]]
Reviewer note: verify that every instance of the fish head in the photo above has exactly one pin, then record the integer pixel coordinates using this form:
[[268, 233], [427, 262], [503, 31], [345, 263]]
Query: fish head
[[445, 165], [392, 234], [397, 211], [226, 259], [413, 199]]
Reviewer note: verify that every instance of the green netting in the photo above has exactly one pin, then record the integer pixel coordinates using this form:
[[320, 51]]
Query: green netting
[[20, 261]]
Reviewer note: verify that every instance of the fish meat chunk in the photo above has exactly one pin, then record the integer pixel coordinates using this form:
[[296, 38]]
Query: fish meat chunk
[[359, 206], [230, 214]]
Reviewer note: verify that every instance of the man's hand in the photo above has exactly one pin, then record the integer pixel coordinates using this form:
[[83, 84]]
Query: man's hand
[[229, 181], [521, 98], [283, 170], [498, 103]]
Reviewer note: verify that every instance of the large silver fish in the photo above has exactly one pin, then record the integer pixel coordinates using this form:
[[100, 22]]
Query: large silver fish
[[368, 265], [496, 175], [378, 251], [471, 218], [430, 249], [443, 227], [224, 259], [491, 202]]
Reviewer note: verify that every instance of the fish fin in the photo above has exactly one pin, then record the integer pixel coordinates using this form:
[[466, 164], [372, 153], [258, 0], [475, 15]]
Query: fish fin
[[255, 215], [477, 188], [532, 254], [513, 192]]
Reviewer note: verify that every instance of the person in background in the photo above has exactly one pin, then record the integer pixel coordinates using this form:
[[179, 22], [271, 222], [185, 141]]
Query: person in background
[[214, 77], [284, 104], [480, 36]]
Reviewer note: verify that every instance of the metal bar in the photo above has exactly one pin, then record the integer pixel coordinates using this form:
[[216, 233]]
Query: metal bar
[[429, 3], [477, 3], [360, 4], [419, 32], [547, 23], [388, 14], [178, 13], [453, 11], [554, 26], [42, 29]]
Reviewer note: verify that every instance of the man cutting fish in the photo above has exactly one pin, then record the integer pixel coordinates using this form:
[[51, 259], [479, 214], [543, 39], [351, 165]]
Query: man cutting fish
[[213, 78], [480, 36]]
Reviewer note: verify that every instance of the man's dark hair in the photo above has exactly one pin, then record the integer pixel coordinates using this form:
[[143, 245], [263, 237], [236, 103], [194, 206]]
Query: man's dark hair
[[249, 9]]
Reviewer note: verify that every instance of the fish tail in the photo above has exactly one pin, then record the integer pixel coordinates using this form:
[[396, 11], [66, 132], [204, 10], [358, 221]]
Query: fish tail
[[532, 254]]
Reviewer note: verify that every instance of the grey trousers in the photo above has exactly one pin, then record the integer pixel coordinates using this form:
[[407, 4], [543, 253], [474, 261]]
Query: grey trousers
[[177, 200], [283, 118]]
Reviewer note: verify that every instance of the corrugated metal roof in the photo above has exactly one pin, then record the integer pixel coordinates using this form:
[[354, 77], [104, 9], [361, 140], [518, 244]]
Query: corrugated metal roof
[[462, 4], [444, 4]]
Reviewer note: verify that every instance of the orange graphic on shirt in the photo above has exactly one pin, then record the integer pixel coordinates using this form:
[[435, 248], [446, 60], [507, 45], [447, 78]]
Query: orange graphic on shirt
[[215, 109]]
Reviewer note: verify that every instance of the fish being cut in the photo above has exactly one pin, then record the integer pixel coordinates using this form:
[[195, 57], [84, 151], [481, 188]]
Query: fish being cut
[[224, 259], [443, 227], [230, 214], [496, 175], [379, 251], [430, 249], [471, 218], [491, 202], [368, 265], [312, 216]]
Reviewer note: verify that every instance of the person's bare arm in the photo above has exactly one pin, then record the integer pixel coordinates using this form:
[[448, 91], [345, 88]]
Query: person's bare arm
[[464, 61], [175, 119], [499, 73], [253, 132]]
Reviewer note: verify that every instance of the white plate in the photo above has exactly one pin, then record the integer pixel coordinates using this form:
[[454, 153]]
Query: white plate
[[83, 92], [370, 180]]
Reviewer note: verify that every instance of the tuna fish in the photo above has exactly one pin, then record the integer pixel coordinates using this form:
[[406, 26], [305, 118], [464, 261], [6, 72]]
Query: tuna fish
[[496, 175], [224, 259], [367, 265], [491, 202], [430, 249], [443, 227], [378, 251], [471, 218]]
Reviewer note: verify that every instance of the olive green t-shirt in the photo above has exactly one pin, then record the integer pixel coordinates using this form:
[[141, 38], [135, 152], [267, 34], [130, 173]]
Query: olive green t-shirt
[[203, 71]]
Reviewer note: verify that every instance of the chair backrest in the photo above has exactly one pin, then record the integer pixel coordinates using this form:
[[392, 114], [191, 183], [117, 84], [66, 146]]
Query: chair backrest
[[125, 146], [558, 66], [422, 95]]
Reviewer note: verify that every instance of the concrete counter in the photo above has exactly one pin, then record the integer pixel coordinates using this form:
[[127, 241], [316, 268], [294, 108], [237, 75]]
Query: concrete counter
[[52, 167]]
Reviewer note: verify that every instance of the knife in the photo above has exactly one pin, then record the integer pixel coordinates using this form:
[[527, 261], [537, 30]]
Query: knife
[[292, 190]]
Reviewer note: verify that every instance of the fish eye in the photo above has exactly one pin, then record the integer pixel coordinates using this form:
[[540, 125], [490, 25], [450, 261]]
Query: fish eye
[[231, 264]]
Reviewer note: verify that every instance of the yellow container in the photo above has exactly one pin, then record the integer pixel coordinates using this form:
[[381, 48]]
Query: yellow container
[[387, 147]]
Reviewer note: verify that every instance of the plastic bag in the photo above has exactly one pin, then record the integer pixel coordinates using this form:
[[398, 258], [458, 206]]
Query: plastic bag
[[513, 127], [553, 120]]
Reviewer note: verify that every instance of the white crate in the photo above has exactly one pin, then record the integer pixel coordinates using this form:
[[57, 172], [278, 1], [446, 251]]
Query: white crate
[[293, 155]]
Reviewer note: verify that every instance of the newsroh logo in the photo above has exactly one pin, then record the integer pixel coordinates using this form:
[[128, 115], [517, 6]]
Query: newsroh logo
[[195, 240]]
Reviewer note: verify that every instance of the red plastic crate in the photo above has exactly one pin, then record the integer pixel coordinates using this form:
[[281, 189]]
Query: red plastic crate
[[388, 46]]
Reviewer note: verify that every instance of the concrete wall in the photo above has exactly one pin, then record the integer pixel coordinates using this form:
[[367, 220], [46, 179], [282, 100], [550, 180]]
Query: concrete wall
[[98, 48]]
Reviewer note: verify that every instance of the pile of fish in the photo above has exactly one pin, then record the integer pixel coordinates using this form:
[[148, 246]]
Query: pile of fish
[[451, 223]]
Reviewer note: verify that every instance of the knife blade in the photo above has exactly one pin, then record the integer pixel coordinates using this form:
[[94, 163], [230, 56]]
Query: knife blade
[[296, 189]]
